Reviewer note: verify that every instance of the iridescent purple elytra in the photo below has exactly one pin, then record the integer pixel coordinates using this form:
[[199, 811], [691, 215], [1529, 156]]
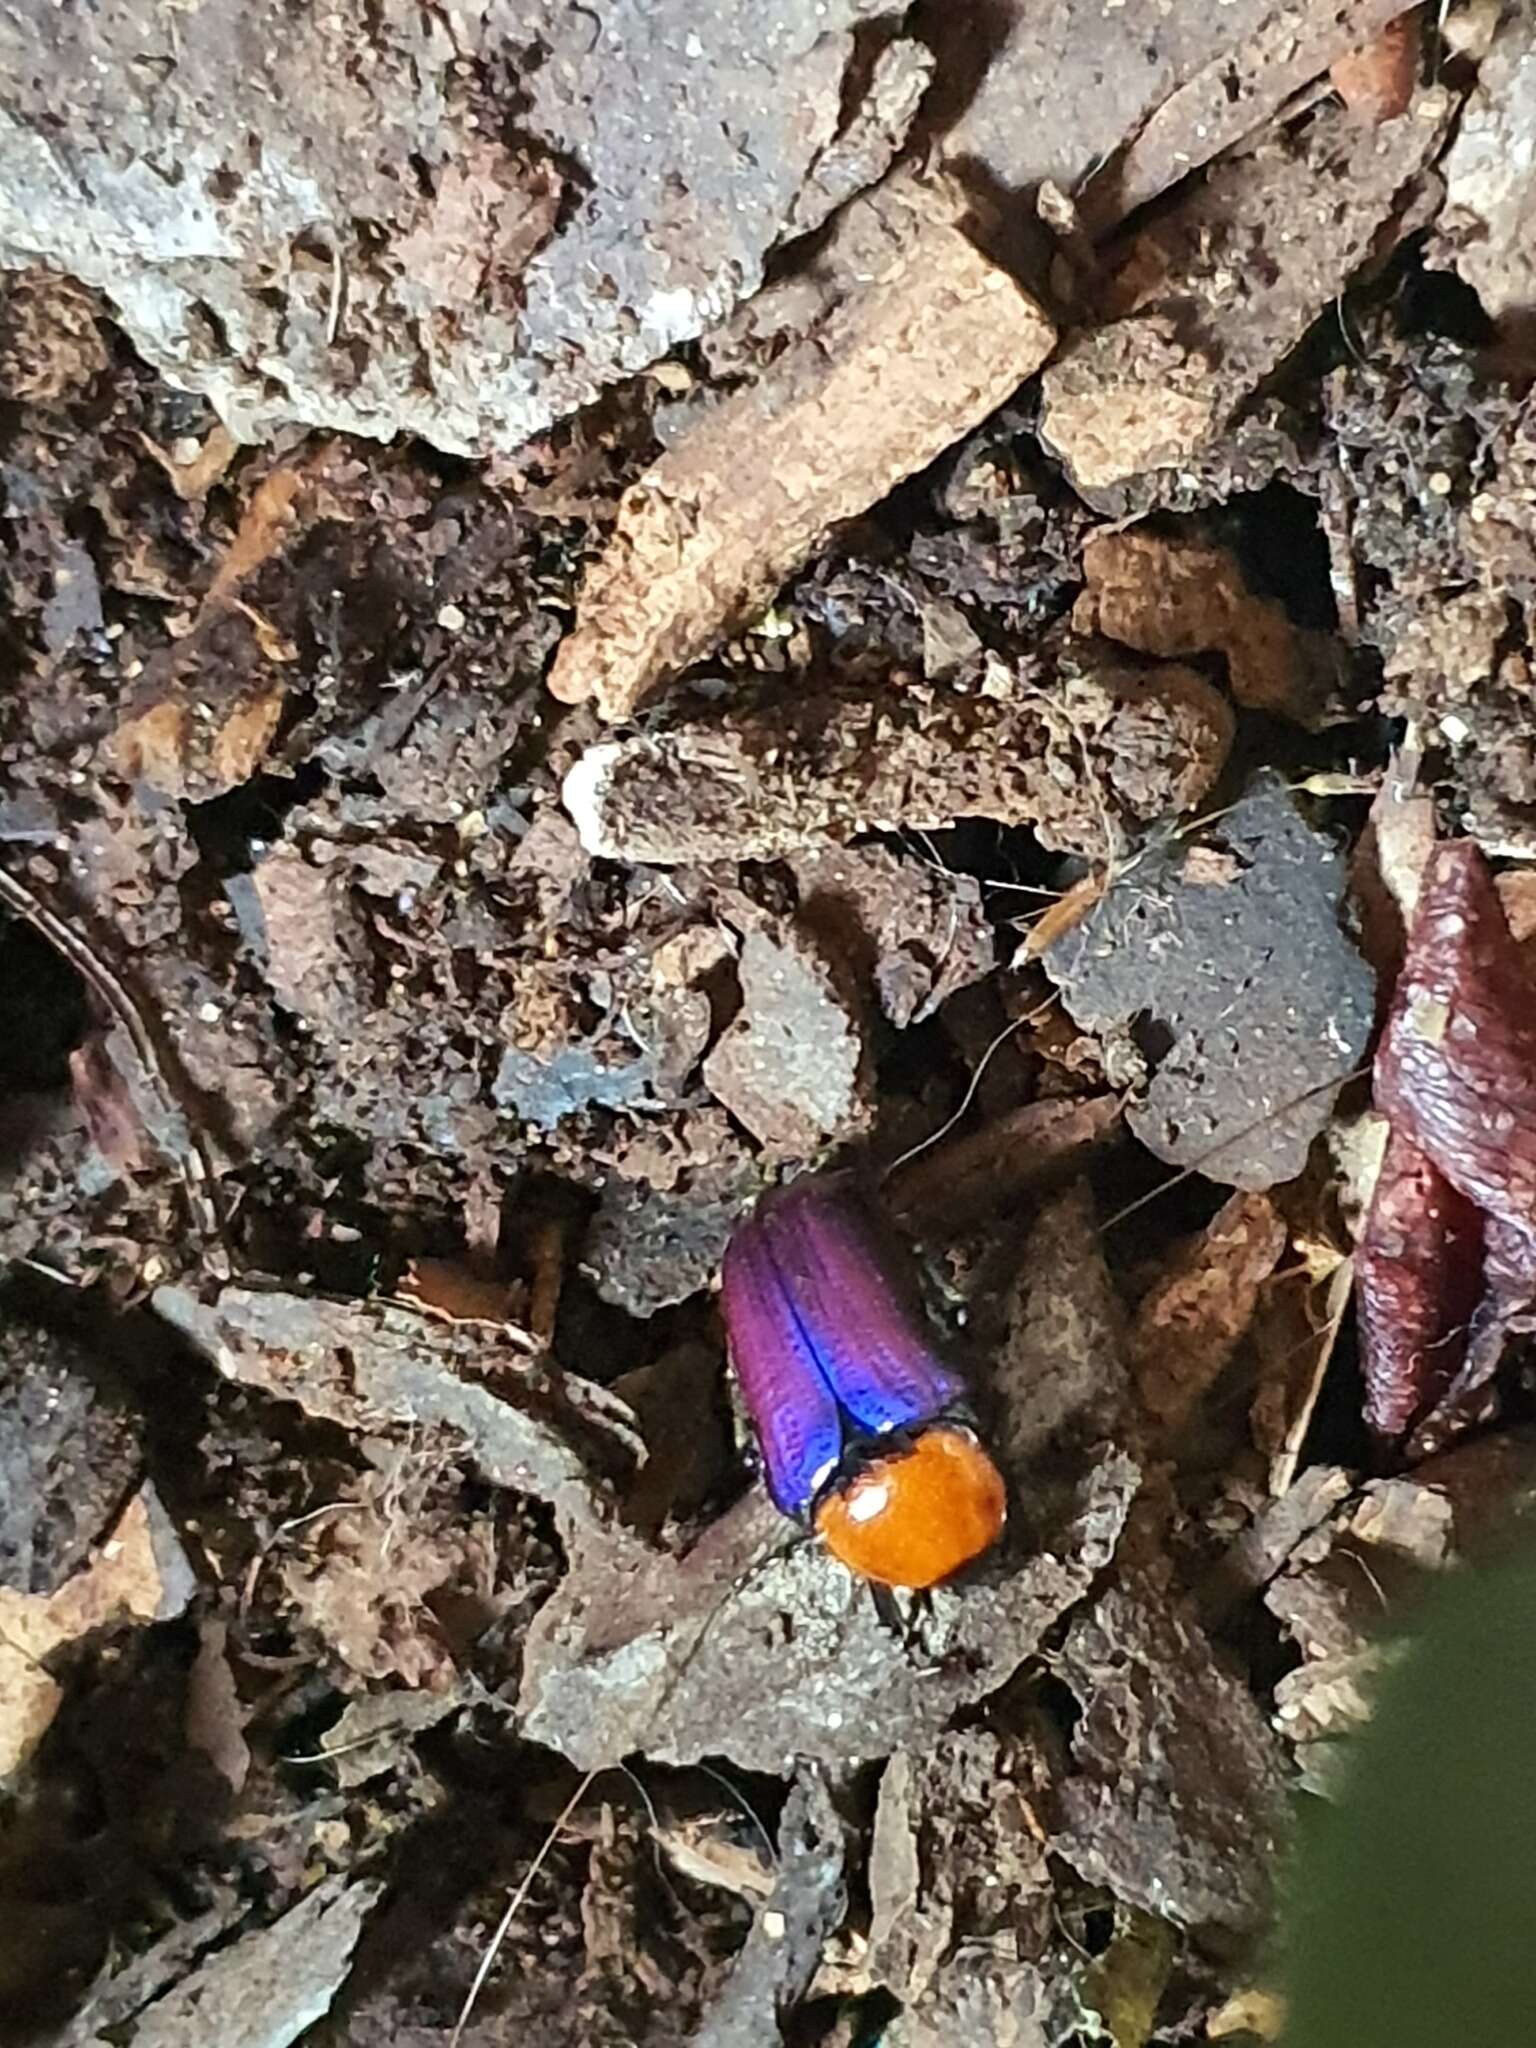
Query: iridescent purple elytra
[[824, 1343]]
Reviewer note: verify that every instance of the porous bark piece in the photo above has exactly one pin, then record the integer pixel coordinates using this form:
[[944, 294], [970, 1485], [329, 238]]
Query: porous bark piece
[[982, 1993], [1130, 397], [761, 1652], [1104, 747], [649, 1246], [953, 1854], [364, 218], [809, 1899], [791, 1065], [905, 361], [1249, 1002], [1177, 1803], [270, 1986], [1220, 290], [866, 148], [313, 946], [1059, 1373], [1489, 222], [1171, 596]]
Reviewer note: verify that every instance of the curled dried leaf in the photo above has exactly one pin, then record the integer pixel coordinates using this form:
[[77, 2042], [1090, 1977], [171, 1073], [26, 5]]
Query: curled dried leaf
[[1419, 1275], [1456, 1070]]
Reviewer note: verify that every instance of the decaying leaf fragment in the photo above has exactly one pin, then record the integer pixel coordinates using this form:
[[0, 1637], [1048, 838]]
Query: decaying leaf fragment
[[1457, 1066], [907, 358]]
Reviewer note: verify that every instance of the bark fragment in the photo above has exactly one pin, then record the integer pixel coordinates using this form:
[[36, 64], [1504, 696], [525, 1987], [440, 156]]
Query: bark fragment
[[1490, 212], [1107, 747], [1190, 1322], [900, 366], [792, 1065], [1214, 296]]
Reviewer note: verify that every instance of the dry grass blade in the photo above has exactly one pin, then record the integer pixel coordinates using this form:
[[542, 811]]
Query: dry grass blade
[[515, 1905]]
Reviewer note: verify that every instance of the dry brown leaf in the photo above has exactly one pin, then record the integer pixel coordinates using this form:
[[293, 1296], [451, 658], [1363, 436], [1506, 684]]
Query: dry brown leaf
[[1376, 82], [1191, 1320], [264, 526], [1294, 1337], [706, 1852], [126, 1577], [444, 1288], [193, 478]]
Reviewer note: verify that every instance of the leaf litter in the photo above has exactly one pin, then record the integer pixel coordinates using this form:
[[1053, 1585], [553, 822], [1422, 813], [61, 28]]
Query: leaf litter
[[1046, 782]]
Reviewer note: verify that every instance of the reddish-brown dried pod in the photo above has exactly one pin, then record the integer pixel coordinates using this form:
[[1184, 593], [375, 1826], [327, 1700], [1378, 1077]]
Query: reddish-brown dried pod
[[1377, 82], [1418, 1278], [1456, 1070]]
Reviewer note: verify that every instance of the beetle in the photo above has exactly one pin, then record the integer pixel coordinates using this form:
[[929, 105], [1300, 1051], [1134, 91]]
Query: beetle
[[865, 1432]]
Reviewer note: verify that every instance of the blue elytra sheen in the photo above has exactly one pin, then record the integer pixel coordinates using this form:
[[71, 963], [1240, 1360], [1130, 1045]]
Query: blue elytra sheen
[[867, 1331], [799, 1429], [824, 1340]]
